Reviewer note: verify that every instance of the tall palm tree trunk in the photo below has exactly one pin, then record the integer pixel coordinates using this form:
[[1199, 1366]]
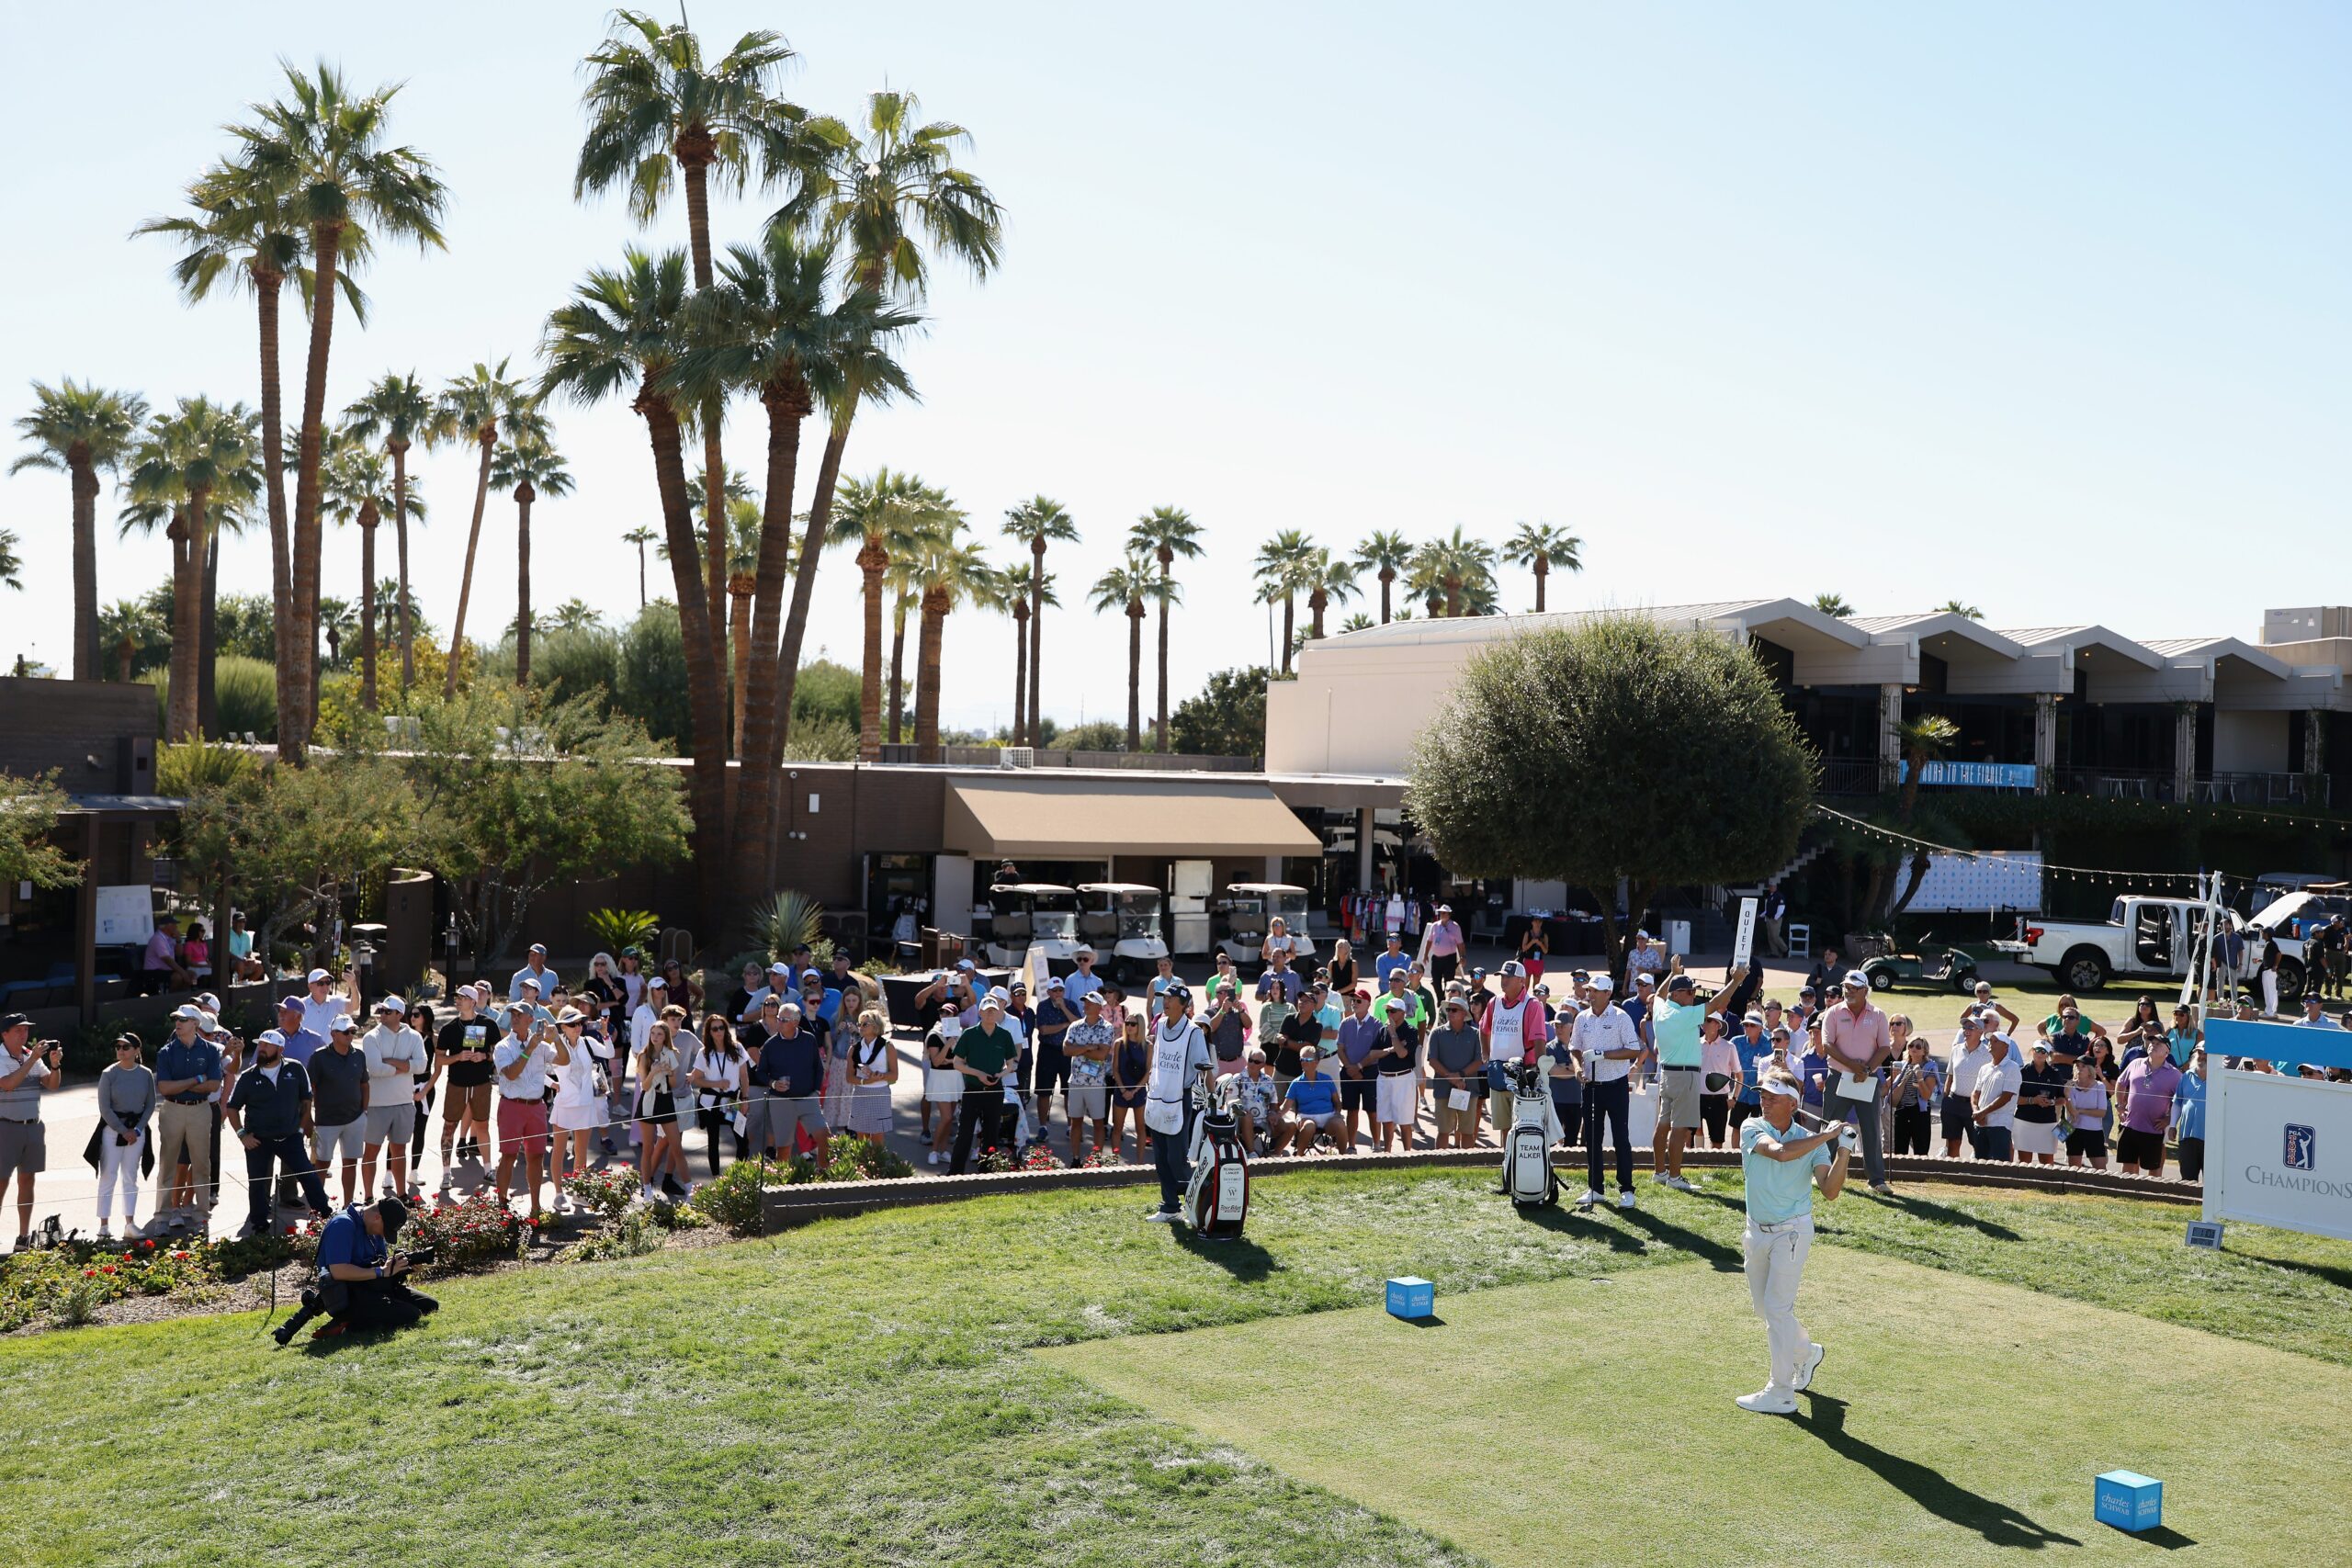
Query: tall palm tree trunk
[[368, 518], [695, 149], [85, 564], [1020, 671], [273, 467], [787, 402], [1135, 675], [326, 242], [1036, 631], [1290, 612], [524, 496], [804, 582], [641, 577], [1387, 580], [1543, 571], [489, 438], [208, 640], [705, 703], [739, 588], [187, 597], [1160, 726], [873, 560], [400, 538], [1316, 602], [897, 663], [932, 633]]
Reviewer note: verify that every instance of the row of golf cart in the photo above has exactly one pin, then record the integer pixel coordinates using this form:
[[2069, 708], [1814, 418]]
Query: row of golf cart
[[1122, 922]]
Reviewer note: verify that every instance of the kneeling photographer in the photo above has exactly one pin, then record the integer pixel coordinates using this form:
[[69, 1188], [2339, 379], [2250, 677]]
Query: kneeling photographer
[[360, 1282]]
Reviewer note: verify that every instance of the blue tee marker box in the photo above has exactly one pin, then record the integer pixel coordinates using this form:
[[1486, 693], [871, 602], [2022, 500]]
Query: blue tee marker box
[[2128, 1500], [1411, 1297]]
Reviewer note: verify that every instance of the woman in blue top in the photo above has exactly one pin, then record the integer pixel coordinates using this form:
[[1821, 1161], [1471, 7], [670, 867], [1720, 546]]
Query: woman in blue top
[[2184, 1037], [2188, 1117], [1815, 1068]]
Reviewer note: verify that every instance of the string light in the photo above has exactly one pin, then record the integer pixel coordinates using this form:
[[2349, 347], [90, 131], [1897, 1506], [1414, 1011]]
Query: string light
[[2071, 873]]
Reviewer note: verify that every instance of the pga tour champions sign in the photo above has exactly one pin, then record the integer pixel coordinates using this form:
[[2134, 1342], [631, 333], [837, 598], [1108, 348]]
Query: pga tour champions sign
[[2278, 1148]]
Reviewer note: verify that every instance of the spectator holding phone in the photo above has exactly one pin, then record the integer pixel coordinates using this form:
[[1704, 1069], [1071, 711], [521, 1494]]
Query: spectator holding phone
[[27, 1072]]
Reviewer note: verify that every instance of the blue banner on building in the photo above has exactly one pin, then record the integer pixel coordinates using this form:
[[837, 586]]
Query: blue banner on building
[[1974, 775]]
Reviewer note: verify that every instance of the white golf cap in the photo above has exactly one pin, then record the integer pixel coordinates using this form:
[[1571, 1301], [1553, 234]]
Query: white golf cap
[[317, 977], [269, 1037], [655, 984], [208, 1021], [529, 984], [1646, 979], [391, 1004], [540, 948], [1856, 978], [187, 1011], [344, 1025], [1392, 1004], [779, 968], [1514, 970], [572, 1015], [1600, 983]]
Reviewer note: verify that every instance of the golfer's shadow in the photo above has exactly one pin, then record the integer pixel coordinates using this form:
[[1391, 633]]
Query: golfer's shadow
[[1999, 1524]]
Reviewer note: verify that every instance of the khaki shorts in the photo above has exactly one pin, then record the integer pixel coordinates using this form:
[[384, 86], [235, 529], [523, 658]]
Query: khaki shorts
[[24, 1146], [1678, 1097], [1449, 1120], [464, 1101], [1089, 1102]]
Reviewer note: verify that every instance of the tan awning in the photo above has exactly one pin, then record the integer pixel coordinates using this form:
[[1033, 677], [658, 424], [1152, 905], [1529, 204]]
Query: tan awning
[[1092, 819]]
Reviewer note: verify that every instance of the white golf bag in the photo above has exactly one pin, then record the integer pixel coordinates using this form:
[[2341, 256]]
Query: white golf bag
[[1217, 1199], [1528, 1177]]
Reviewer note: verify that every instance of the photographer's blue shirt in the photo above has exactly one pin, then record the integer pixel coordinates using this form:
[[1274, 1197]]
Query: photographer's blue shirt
[[345, 1239]]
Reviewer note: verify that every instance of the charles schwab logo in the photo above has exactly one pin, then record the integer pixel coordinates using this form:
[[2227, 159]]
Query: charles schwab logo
[[2299, 1162]]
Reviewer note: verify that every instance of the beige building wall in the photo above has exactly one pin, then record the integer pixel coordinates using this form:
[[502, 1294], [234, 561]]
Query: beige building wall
[[1357, 710]]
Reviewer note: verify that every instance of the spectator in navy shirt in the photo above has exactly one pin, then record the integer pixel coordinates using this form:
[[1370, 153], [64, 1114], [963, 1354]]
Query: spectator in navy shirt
[[792, 1065], [269, 1109]]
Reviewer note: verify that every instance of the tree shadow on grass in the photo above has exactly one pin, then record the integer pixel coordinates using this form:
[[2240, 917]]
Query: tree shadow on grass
[[1951, 1215], [1584, 1227], [1996, 1522], [2334, 1274], [1239, 1257], [1725, 1257]]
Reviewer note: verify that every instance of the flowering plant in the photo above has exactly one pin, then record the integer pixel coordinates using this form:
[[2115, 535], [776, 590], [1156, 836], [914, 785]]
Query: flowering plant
[[467, 1233], [607, 1192]]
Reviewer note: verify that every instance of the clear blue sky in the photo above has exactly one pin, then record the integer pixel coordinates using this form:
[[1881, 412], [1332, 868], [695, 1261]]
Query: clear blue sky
[[2046, 308]]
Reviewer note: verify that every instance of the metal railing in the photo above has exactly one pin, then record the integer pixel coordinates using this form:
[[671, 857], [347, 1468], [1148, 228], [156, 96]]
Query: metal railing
[[2219, 788], [1138, 761]]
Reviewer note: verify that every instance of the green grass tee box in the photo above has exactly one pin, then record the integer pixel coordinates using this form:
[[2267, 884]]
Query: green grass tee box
[[1955, 1421]]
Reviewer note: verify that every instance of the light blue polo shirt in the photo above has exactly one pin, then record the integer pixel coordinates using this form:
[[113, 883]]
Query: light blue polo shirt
[[1676, 1029], [1778, 1189]]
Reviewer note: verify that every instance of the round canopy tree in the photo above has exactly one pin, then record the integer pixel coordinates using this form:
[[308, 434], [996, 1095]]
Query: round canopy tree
[[1615, 748]]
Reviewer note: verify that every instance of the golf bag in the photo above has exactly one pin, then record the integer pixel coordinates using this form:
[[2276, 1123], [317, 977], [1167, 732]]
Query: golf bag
[[1217, 1199], [1528, 1177]]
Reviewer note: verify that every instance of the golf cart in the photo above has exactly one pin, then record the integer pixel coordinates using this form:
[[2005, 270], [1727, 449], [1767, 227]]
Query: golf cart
[[1024, 916], [1926, 965], [1122, 918], [1250, 907]]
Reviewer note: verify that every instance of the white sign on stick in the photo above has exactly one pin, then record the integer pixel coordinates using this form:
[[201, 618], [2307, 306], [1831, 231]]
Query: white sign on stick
[[1744, 944]]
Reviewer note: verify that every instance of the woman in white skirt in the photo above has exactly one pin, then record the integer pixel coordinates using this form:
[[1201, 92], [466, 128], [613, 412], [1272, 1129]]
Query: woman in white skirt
[[580, 1092], [942, 1085], [873, 1068]]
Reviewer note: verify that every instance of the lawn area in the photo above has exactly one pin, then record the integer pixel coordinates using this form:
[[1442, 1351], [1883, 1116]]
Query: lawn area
[[854, 1392], [1593, 1419]]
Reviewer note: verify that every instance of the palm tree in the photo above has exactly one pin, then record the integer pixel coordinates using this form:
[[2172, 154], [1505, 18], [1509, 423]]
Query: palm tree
[[621, 333], [186, 458], [1165, 532], [1455, 573], [1954, 607], [324, 156], [770, 328], [1357, 622], [656, 111], [1040, 520], [473, 407], [128, 628], [1541, 546], [949, 568], [641, 536], [883, 515], [1833, 605], [1281, 566], [77, 428], [398, 412], [1386, 553], [12, 565], [1328, 582], [576, 616], [1024, 594], [354, 488], [1123, 587], [530, 468]]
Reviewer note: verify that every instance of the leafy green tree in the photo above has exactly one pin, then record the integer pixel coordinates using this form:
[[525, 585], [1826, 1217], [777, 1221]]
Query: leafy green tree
[[1456, 575], [398, 412], [522, 797], [324, 155], [79, 429], [1096, 735], [1040, 521], [29, 852], [358, 488], [136, 634], [1612, 750], [1227, 719], [653, 685]]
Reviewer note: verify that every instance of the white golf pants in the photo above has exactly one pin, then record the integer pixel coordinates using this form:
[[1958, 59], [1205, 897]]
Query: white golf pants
[[1775, 1268]]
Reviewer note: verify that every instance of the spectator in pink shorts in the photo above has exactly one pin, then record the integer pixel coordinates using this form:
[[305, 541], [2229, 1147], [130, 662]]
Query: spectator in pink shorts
[[2144, 1100]]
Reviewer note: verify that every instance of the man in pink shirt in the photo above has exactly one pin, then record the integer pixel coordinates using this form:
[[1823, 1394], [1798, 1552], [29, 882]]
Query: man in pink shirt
[[1441, 946], [2143, 1105], [1856, 1041]]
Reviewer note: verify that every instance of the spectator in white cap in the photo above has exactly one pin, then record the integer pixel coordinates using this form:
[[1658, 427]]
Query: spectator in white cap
[[582, 1089], [1644, 956], [189, 1072], [1441, 945], [1397, 1058], [1857, 1044], [1082, 982], [394, 1051], [269, 1110], [777, 983], [1995, 1098], [1605, 1046], [1089, 1045], [1780, 1164], [535, 967], [656, 996], [339, 1104], [324, 1001], [519, 1074], [1057, 1012]]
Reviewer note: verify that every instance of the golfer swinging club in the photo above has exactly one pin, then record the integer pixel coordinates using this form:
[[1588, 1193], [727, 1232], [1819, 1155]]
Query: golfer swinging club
[[1780, 1167]]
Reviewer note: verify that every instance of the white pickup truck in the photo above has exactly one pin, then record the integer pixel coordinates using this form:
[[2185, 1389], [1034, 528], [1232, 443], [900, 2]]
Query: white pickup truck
[[2287, 921], [2143, 938]]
